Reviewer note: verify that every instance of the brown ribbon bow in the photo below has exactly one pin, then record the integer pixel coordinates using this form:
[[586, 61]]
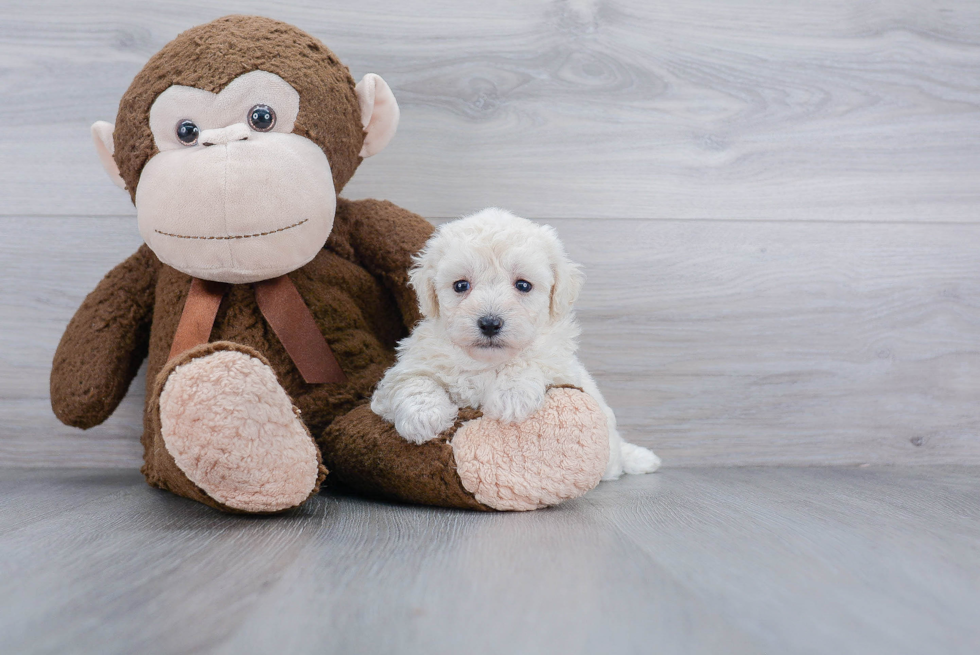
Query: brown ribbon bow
[[284, 309]]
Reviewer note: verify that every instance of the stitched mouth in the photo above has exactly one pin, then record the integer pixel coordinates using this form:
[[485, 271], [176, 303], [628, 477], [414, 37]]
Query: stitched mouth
[[233, 236]]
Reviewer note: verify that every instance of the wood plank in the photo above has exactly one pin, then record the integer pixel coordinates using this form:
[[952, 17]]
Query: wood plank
[[144, 569], [418, 581], [703, 109], [716, 342], [821, 560], [140, 571], [774, 343], [28, 495]]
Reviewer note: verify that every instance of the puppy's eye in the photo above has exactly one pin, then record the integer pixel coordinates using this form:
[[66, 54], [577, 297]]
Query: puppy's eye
[[523, 286], [187, 132], [461, 286], [262, 118]]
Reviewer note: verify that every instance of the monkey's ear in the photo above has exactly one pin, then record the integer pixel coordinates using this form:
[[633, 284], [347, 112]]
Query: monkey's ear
[[379, 113], [102, 136]]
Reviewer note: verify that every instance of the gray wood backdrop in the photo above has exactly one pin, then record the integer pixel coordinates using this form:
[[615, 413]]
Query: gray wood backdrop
[[777, 204]]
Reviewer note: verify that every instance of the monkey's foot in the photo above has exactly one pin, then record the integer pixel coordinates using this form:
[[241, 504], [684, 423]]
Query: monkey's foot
[[233, 431], [560, 452]]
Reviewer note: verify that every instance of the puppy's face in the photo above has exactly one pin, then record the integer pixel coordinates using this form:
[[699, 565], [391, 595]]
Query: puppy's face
[[493, 281]]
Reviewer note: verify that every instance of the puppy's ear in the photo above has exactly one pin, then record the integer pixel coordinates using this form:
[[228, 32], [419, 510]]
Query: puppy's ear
[[568, 280], [422, 277]]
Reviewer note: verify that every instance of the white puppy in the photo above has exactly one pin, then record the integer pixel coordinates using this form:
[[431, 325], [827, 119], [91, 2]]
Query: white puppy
[[496, 293]]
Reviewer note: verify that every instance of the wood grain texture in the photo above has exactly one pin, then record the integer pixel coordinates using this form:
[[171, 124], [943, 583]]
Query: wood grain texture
[[716, 342], [861, 561], [784, 343], [847, 110]]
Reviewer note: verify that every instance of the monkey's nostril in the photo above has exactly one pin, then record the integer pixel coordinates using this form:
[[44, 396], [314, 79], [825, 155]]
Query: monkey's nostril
[[490, 325], [224, 135]]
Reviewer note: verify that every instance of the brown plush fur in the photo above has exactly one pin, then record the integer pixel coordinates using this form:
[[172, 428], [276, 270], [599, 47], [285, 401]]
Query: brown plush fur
[[105, 343], [210, 56], [356, 289], [367, 455]]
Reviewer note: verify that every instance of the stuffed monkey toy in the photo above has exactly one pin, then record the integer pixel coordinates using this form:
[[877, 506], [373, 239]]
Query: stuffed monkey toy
[[268, 307]]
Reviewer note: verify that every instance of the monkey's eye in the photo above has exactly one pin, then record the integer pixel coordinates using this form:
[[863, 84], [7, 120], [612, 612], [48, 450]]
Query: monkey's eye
[[523, 286], [187, 132], [461, 286], [262, 118]]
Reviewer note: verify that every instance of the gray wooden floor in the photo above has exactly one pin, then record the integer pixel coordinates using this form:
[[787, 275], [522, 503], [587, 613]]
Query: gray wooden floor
[[775, 560]]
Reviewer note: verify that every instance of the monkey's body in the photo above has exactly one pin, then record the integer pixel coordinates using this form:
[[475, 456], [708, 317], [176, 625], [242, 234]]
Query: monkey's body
[[342, 286], [232, 423], [354, 310]]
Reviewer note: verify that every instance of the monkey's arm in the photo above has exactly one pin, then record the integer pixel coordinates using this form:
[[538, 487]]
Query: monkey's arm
[[384, 238], [105, 343]]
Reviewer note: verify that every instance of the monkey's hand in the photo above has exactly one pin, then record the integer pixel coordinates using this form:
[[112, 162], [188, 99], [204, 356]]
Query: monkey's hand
[[105, 343]]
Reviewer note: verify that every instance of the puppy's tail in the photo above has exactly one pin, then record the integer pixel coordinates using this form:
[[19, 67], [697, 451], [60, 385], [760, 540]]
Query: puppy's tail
[[637, 459]]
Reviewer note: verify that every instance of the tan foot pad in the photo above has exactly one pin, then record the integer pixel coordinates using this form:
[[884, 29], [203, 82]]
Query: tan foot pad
[[233, 431], [559, 453]]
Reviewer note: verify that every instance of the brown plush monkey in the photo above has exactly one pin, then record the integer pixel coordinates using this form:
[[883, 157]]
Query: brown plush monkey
[[268, 306]]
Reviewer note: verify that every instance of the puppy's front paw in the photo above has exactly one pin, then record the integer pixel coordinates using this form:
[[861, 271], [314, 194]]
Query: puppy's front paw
[[425, 420], [514, 404]]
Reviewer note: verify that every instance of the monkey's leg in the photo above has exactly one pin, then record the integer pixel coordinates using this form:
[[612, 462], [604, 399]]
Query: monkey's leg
[[225, 433], [557, 454]]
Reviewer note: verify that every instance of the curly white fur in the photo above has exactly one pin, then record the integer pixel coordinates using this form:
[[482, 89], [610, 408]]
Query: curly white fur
[[449, 362]]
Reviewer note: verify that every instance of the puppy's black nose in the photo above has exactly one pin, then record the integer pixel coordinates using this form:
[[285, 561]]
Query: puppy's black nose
[[490, 325]]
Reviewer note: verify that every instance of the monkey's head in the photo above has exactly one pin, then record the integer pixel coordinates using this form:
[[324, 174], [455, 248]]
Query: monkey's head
[[234, 141]]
